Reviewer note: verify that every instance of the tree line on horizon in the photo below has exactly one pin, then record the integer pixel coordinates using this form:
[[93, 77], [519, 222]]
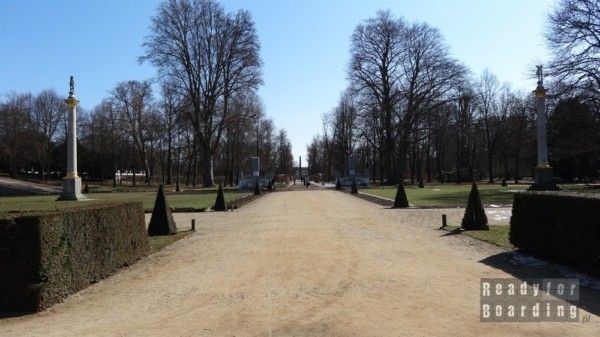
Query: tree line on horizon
[[412, 112], [201, 128]]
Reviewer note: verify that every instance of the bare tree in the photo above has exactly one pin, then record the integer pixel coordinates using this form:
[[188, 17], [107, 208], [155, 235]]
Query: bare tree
[[342, 122], [284, 154], [430, 79], [465, 135], [489, 109], [133, 99], [210, 55], [406, 70], [48, 110], [375, 66], [520, 118], [574, 39], [14, 133], [171, 107]]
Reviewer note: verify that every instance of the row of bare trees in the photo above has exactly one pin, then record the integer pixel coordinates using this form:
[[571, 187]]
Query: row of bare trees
[[206, 119], [28, 126], [162, 139], [135, 130], [413, 112]]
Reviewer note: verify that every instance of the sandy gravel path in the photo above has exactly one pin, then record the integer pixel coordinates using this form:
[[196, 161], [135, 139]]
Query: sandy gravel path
[[311, 263], [10, 186]]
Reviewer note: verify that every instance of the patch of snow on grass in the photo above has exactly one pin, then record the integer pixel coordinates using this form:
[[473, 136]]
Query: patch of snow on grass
[[500, 215], [566, 272], [527, 260]]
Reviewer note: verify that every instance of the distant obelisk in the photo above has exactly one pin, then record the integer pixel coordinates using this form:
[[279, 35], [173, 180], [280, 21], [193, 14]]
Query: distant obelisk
[[543, 178], [72, 181]]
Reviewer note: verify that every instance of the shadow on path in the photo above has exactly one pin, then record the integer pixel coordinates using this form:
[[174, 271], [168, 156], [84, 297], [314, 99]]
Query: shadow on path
[[524, 266]]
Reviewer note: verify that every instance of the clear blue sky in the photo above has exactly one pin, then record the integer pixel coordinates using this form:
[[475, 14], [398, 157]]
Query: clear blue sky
[[305, 46]]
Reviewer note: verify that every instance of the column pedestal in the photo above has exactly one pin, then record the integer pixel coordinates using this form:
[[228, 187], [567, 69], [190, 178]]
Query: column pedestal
[[72, 189], [543, 179]]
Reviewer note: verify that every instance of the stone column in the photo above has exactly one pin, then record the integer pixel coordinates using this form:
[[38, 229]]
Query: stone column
[[543, 177], [72, 181], [542, 143]]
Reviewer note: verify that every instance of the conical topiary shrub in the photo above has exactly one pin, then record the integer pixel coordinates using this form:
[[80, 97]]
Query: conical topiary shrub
[[400, 201], [257, 189], [161, 222], [220, 201], [354, 189], [338, 184], [474, 218]]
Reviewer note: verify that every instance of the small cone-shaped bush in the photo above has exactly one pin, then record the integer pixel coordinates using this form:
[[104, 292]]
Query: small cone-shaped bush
[[338, 184], [421, 185], [220, 201], [400, 201], [257, 189], [504, 182], [86, 188], [474, 218], [354, 189], [270, 186], [161, 222]]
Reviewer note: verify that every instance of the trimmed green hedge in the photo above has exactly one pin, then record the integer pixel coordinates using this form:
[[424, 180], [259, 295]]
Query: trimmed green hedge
[[45, 257], [558, 225]]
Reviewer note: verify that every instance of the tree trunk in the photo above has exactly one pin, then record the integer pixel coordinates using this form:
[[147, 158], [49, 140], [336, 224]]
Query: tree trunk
[[114, 174], [428, 161], [207, 168], [490, 167], [195, 169], [133, 168], [517, 168], [162, 169], [169, 159]]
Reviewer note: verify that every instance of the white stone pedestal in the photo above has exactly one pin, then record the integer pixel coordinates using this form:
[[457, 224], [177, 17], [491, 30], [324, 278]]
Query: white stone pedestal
[[72, 189]]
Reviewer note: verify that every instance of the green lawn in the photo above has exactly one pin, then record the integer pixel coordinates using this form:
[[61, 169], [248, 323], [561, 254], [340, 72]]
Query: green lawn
[[183, 200], [496, 235], [157, 243], [452, 195]]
